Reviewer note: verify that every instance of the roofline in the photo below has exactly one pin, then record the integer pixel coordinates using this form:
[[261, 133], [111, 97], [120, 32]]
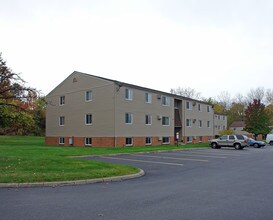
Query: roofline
[[144, 88]]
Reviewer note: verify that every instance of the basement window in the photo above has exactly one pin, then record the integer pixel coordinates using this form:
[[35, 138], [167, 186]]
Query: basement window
[[129, 141], [61, 140]]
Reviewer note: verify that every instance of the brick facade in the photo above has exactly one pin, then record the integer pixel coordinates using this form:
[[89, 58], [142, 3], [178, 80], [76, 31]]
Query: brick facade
[[105, 141]]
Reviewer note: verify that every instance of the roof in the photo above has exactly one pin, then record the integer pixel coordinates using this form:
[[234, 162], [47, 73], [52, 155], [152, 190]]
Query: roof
[[143, 88], [237, 124]]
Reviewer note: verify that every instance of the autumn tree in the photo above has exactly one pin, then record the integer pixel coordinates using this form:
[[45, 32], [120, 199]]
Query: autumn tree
[[257, 119], [16, 102]]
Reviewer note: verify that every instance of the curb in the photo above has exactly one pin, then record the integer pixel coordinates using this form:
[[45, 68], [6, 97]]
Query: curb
[[74, 182]]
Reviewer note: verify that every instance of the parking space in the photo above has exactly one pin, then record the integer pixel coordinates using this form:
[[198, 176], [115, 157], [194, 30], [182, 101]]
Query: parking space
[[177, 158]]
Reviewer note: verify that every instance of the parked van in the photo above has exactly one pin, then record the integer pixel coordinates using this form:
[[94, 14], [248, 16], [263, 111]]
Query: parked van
[[269, 139]]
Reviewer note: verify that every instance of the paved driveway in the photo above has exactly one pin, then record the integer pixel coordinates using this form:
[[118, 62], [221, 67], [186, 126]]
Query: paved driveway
[[192, 184]]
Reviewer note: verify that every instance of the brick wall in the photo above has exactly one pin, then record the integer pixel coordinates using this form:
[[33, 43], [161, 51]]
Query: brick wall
[[105, 141]]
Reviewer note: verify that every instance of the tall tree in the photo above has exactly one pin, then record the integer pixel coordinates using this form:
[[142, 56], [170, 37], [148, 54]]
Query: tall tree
[[258, 94], [16, 102], [257, 119], [12, 87]]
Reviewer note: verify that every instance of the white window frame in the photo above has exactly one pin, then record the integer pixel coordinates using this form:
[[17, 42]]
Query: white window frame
[[189, 139], [188, 105], [148, 118], [200, 123], [62, 100], [188, 123], [166, 142], [130, 118], [61, 140], [148, 97], [128, 94], [165, 100], [90, 96], [129, 138], [208, 124], [164, 118], [150, 141], [199, 107], [61, 120], [208, 108], [86, 119], [88, 141]]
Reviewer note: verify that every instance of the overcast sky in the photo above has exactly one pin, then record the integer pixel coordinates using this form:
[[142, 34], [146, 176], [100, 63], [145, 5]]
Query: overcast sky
[[208, 45]]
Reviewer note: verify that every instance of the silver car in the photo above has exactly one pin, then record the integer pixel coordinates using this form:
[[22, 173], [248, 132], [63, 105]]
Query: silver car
[[235, 141]]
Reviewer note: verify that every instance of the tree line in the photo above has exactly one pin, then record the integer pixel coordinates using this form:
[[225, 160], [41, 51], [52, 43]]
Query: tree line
[[22, 108], [255, 108]]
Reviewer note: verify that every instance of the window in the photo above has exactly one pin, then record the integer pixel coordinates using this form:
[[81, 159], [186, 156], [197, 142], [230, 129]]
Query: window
[[165, 101], [188, 123], [88, 96], [219, 127], [208, 124], [88, 119], [200, 123], [128, 94], [61, 140], [148, 119], [129, 141], [128, 118], [200, 139], [62, 100], [224, 137], [165, 121], [218, 117], [148, 140], [148, 97], [224, 117], [165, 140], [189, 139], [88, 141], [224, 127], [61, 121], [189, 105], [208, 108], [199, 108], [231, 137]]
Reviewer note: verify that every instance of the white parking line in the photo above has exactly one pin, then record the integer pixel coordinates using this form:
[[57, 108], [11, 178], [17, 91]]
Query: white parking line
[[172, 158], [211, 153], [143, 161], [195, 155]]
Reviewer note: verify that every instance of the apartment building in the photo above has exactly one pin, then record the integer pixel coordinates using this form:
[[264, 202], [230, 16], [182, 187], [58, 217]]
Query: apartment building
[[87, 110], [220, 123]]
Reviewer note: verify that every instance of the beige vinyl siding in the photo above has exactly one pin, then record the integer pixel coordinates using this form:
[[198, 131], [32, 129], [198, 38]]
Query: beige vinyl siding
[[75, 108], [196, 116], [140, 108]]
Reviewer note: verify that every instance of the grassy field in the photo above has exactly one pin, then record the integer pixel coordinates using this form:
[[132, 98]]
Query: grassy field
[[27, 159]]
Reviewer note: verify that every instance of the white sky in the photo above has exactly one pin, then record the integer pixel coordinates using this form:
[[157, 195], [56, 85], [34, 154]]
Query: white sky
[[208, 45]]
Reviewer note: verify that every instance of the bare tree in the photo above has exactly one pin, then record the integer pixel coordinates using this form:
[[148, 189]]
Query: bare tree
[[269, 96], [224, 99], [187, 92], [258, 94]]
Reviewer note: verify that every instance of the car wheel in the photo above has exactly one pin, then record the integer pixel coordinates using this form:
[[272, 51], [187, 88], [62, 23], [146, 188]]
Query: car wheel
[[214, 145], [271, 143], [256, 145], [237, 146]]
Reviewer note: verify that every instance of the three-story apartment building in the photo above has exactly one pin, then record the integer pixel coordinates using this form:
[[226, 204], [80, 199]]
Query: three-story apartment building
[[87, 110]]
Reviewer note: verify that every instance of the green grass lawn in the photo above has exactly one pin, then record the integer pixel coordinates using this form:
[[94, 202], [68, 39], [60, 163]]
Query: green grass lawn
[[28, 159]]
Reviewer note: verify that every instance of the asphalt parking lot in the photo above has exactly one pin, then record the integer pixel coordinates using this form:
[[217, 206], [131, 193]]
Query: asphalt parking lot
[[189, 184]]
